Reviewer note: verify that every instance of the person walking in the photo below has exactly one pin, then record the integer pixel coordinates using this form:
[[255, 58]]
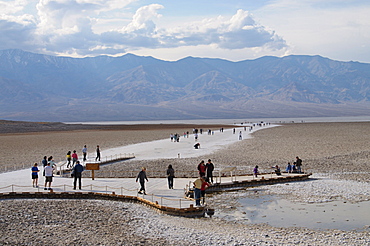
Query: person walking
[[255, 171], [77, 174], [210, 167], [142, 177], [74, 158], [35, 175], [170, 176], [97, 153], [69, 158], [48, 176], [84, 152], [240, 135]]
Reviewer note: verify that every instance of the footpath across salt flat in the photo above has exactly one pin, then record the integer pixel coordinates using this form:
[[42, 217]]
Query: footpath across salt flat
[[157, 189], [163, 149]]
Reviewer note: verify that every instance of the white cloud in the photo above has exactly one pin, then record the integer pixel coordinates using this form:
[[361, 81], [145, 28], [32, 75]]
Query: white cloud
[[335, 29], [238, 32], [11, 7], [67, 27], [142, 22]]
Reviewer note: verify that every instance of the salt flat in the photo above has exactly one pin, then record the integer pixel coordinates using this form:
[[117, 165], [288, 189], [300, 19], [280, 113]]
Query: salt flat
[[157, 188]]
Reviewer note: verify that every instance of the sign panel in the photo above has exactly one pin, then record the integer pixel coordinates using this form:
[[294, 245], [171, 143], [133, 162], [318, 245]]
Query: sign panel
[[92, 166]]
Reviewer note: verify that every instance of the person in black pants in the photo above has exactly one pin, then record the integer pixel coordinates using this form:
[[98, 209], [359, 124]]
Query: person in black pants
[[210, 168], [170, 176], [142, 177], [77, 174], [298, 164], [97, 153]]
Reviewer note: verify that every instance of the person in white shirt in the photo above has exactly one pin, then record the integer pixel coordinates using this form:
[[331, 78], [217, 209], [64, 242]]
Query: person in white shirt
[[48, 176], [84, 152]]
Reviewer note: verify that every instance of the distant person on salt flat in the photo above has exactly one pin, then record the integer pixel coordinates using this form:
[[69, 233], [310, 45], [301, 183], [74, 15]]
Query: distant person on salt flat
[[255, 171], [69, 158], [171, 137], [210, 167], [277, 170], [197, 193], [97, 158], [48, 176], [74, 158], [44, 164], [294, 168], [35, 175], [170, 176], [298, 164], [197, 146], [202, 169], [288, 168], [142, 177], [84, 152], [77, 174], [203, 188], [51, 161], [240, 135]]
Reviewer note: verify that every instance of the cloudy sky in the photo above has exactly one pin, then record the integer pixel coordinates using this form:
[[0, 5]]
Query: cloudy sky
[[170, 30]]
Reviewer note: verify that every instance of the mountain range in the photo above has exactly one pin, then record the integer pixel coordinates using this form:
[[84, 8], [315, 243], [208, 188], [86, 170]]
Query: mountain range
[[37, 87]]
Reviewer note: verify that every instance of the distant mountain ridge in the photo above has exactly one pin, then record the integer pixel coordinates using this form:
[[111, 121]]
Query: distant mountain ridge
[[40, 87]]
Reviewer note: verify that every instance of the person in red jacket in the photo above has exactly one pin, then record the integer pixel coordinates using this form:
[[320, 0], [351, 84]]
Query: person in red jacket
[[74, 158], [202, 169], [203, 188]]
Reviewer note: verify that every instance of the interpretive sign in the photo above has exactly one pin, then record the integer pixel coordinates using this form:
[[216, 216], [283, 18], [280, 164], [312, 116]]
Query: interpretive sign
[[92, 167]]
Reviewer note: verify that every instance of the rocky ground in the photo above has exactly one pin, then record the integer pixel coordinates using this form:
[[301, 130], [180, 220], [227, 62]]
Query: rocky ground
[[69, 222]]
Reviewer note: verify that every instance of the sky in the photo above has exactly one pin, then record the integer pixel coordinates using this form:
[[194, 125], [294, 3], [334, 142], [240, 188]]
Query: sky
[[171, 30]]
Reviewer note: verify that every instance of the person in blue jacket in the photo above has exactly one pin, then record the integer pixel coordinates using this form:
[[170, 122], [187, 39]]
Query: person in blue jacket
[[77, 174]]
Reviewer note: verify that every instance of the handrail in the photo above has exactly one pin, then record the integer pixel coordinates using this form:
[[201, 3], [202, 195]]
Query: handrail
[[106, 189], [10, 168]]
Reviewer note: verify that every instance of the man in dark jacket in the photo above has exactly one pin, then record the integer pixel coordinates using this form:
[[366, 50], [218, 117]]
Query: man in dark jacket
[[77, 174], [142, 177], [210, 168], [298, 164]]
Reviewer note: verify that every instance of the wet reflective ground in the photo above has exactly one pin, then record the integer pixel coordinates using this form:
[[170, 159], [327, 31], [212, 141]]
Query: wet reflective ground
[[284, 213]]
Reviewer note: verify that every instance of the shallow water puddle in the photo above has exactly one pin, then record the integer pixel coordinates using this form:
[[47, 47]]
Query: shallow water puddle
[[284, 213]]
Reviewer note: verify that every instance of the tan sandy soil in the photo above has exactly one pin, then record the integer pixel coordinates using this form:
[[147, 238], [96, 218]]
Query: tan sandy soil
[[25, 148]]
